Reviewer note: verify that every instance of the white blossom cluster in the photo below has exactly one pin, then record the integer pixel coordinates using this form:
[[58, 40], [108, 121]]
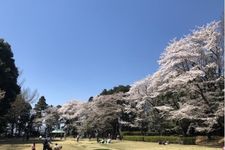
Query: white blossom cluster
[[189, 82]]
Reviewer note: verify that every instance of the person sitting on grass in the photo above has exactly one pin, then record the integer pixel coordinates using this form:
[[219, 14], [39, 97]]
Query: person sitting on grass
[[57, 147], [102, 141], [163, 142], [108, 141]]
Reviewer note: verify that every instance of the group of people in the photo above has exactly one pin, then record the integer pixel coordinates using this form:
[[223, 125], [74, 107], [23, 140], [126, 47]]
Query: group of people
[[47, 146], [105, 141], [163, 142]]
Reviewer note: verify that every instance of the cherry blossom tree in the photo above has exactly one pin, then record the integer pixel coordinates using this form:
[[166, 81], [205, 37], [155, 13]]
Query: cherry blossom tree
[[104, 113], [188, 86]]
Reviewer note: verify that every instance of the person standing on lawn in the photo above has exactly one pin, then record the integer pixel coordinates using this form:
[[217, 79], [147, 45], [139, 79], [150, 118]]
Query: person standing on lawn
[[33, 147]]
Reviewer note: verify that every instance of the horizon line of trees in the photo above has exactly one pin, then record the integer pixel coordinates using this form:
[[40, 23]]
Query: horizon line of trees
[[116, 89]]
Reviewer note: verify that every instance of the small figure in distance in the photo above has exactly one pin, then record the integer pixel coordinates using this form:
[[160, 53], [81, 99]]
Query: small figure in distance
[[78, 137], [102, 141], [117, 137], [33, 147], [57, 147], [89, 137], [108, 141], [167, 142], [40, 137], [46, 145], [163, 142]]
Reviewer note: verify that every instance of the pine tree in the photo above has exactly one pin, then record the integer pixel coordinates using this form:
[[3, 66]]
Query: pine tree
[[8, 80], [40, 106]]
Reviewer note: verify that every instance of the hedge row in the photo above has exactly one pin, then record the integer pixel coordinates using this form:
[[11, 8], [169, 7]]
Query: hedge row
[[188, 140], [171, 139], [138, 133], [129, 133]]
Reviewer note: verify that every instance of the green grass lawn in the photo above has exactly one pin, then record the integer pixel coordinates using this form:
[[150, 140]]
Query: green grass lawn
[[71, 144]]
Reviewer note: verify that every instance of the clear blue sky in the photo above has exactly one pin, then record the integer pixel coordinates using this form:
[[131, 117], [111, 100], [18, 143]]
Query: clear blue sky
[[70, 49]]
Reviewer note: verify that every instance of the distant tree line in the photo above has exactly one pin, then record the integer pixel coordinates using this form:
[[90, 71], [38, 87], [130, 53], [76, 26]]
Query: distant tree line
[[116, 89]]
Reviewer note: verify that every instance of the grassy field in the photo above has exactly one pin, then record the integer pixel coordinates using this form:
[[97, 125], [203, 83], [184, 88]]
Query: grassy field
[[71, 144]]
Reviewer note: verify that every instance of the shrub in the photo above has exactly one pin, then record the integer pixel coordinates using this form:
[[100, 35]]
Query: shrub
[[128, 133], [138, 133], [188, 140], [134, 138], [170, 139]]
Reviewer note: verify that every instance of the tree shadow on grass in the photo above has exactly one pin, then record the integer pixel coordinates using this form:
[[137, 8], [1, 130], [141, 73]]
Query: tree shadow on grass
[[212, 146], [101, 149], [21, 141], [16, 147]]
